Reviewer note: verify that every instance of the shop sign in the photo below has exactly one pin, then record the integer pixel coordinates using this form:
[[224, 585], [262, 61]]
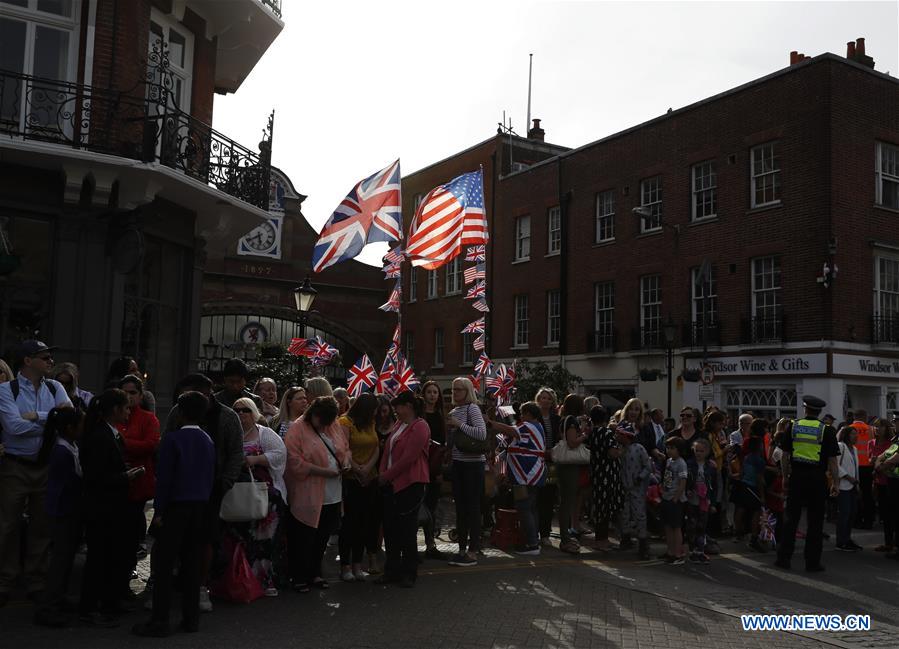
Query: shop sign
[[767, 365], [873, 366]]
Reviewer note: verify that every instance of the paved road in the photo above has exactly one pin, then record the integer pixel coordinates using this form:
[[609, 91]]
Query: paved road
[[555, 600]]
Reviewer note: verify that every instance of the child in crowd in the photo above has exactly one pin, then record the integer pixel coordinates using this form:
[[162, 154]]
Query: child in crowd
[[674, 488], [702, 488], [64, 508], [748, 491], [636, 470]]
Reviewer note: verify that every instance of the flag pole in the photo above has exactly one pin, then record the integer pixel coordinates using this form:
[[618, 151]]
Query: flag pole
[[527, 125]]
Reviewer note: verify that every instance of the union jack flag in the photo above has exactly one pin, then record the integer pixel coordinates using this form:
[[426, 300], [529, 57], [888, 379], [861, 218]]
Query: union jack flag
[[483, 366], [525, 455], [476, 253], [393, 302], [476, 272], [370, 212], [500, 386], [476, 327], [362, 375], [404, 377], [395, 345], [476, 291], [449, 217], [481, 305], [392, 271], [475, 381], [321, 352], [480, 342], [385, 383]]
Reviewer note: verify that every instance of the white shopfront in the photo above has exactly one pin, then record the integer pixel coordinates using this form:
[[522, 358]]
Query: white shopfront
[[869, 382]]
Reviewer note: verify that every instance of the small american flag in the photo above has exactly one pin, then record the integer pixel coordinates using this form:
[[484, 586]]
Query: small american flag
[[449, 217], [483, 366], [369, 213], [393, 302], [476, 327], [362, 375], [480, 342], [475, 273], [481, 305], [476, 291], [393, 256], [299, 347], [476, 253]]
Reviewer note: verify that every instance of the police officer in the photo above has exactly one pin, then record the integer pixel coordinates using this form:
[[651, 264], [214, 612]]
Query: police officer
[[810, 449]]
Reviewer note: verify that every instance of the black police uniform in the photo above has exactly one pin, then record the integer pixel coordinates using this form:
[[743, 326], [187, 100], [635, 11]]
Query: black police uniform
[[808, 489]]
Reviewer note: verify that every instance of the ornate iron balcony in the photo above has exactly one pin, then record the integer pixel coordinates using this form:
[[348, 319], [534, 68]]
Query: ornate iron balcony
[[140, 124], [274, 5], [884, 330], [602, 341], [762, 330]]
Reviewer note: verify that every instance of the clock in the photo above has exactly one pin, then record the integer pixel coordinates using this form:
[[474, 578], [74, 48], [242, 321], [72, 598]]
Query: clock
[[263, 238]]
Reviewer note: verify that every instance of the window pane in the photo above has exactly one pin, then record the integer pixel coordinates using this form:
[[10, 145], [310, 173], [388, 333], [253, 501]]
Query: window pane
[[58, 7], [17, 3], [51, 53], [177, 45], [12, 55]]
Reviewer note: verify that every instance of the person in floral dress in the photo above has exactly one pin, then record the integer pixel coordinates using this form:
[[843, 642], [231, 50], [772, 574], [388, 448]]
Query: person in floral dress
[[605, 476]]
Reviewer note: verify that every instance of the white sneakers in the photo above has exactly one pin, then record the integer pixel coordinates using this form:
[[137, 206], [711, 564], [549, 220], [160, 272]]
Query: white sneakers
[[205, 604], [347, 575]]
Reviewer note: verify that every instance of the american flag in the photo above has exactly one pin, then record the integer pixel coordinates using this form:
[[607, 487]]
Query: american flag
[[449, 217], [393, 302], [404, 377], [480, 342], [369, 213], [476, 272], [483, 366], [299, 347], [476, 253], [393, 256], [481, 305], [476, 327], [476, 291], [362, 375]]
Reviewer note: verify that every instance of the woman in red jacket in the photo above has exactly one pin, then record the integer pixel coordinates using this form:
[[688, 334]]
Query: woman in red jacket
[[403, 476], [141, 437]]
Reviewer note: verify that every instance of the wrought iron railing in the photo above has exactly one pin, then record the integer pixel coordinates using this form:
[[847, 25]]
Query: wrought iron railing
[[141, 124], [602, 341], [884, 330], [274, 5], [692, 334], [761, 330]]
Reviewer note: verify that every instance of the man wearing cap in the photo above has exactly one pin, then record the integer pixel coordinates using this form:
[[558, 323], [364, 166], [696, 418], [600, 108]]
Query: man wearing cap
[[810, 449], [24, 404], [235, 375]]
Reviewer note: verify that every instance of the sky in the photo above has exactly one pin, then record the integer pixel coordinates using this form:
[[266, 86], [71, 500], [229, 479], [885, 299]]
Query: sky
[[357, 84]]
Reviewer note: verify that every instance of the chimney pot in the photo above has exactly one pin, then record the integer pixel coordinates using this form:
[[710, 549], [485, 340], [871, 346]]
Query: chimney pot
[[860, 46], [535, 132], [850, 50], [794, 57]]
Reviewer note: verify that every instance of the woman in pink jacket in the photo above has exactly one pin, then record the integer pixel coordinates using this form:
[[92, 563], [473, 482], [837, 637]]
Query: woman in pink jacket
[[403, 476], [317, 457]]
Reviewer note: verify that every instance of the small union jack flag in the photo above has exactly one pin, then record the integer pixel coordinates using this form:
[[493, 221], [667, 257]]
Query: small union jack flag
[[392, 271], [500, 386], [393, 302], [321, 352], [483, 366], [385, 382], [475, 381], [479, 342], [476, 272], [476, 291], [476, 327], [362, 375], [404, 377], [476, 253], [395, 345], [481, 305]]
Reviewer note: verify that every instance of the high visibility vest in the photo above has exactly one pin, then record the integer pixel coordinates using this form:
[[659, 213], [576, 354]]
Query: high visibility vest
[[807, 435], [861, 444]]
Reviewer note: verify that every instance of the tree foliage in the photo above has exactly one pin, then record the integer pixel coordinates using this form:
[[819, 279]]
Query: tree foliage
[[531, 376]]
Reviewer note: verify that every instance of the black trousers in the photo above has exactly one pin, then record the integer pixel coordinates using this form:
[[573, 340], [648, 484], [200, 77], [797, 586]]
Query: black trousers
[[360, 523], [865, 515], [806, 491], [468, 487], [181, 536], [401, 530], [66, 533], [137, 529], [546, 503], [306, 545], [106, 572], [432, 497]]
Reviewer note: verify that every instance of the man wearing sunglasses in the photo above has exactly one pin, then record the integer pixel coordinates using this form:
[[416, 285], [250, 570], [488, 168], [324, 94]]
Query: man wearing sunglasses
[[24, 405]]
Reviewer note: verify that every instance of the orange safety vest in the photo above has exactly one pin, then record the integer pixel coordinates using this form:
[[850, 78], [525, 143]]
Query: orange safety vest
[[861, 444]]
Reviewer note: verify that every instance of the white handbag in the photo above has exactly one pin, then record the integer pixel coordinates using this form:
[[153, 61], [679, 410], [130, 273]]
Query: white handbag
[[245, 502], [564, 454]]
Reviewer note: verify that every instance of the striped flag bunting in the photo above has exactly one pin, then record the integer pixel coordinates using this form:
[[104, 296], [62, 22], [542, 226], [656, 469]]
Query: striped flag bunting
[[476, 327], [393, 303], [480, 342], [475, 273], [476, 291], [481, 305]]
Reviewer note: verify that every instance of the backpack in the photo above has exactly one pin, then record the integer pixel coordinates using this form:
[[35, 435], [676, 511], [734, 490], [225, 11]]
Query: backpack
[[14, 388]]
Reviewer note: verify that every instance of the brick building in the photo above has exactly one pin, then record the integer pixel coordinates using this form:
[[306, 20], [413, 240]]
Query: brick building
[[112, 179], [766, 184], [434, 309]]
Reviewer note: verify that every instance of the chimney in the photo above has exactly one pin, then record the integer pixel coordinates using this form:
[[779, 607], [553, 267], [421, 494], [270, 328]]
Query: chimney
[[535, 132], [856, 52], [794, 57], [860, 46], [850, 50]]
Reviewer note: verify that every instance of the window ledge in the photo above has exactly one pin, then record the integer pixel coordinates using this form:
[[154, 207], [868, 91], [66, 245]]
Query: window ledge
[[520, 261], [703, 220], [452, 294], [437, 367], [553, 254], [650, 233], [765, 208], [433, 297], [551, 346], [466, 364], [885, 208], [520, 347], [604, 242]]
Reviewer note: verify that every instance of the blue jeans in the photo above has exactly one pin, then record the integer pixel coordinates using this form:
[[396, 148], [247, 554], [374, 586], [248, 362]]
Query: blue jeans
[[846, 505], [526, 506]]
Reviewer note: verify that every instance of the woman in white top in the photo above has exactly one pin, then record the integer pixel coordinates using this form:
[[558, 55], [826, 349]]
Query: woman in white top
[[466, 421], [266, 458], [848, 496]]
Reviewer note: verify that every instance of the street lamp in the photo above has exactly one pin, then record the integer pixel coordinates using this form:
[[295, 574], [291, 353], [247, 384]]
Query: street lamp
[[304, 296], [669, 331], [209, 351]]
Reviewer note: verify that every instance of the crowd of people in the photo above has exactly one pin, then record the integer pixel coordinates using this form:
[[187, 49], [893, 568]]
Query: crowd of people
[[245, 491]]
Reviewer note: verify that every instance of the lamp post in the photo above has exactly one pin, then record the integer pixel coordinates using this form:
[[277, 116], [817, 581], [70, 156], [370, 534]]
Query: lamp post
[[304, 296], [669, 330], [209, 351]]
